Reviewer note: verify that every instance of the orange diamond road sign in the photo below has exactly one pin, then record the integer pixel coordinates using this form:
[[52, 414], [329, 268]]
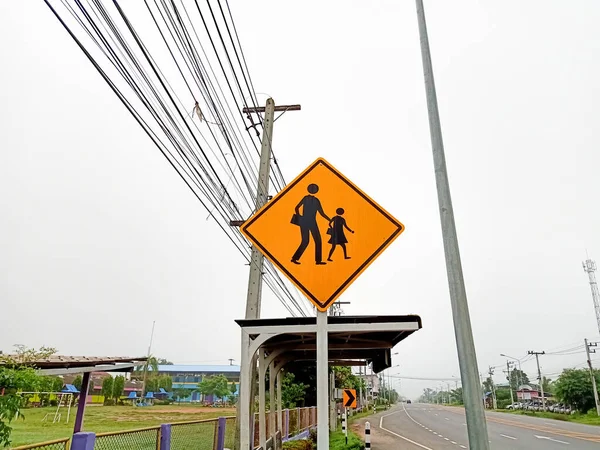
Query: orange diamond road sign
[[322, 232], [349, 398]]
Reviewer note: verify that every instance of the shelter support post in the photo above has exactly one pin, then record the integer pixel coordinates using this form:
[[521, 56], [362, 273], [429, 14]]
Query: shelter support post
[[262, 425], [85, 386], [279, 405], [272, 398]]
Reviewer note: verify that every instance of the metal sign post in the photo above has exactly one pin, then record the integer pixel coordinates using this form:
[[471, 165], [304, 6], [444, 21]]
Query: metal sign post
[[322, 395]]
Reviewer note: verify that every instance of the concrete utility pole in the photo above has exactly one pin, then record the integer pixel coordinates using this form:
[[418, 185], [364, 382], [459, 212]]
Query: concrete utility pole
[[541, 380], [512, 399], [254, 294], [589, 361], [253, 298], [494, 401], [476, 424], [589, 267]]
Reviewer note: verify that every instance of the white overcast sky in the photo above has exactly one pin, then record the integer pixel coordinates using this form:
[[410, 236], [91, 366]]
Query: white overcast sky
[[99, 236]]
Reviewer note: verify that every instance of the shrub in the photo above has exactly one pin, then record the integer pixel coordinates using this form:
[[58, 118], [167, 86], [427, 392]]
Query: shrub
[[337, 441], [300, 444]]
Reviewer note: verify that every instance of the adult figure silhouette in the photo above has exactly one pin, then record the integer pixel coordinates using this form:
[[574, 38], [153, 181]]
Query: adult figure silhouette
[[307, 222]]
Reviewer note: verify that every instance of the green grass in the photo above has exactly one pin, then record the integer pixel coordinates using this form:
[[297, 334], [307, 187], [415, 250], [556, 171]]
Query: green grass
[[112, 418], [365, 413], [337, 441], [591, 418]]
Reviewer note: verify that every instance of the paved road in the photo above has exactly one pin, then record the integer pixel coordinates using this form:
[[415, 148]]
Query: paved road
[[432, 427]]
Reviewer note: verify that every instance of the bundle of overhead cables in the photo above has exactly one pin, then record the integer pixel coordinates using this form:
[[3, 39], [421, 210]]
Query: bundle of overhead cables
[[179, 69]]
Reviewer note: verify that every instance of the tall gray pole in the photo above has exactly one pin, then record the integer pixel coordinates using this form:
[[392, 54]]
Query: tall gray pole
[[262, 192], [322, 367], [512, 400], [589, 361], [253, 297], [541, 380], [476, 425]]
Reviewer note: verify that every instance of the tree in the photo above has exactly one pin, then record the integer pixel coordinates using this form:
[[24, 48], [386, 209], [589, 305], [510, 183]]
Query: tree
[[180, 393], [574, 387], [165, 382], [107, 388], [457, 395], [292, 393], [216, 385], [17, 374], [164, 362], [118, 387], [77, 382], [517, 379], [548, 385]]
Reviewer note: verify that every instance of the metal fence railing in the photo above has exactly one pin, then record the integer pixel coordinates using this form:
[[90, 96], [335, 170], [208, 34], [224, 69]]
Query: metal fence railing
[[196, 435], [140, 439], [58, 444], [230, 424]]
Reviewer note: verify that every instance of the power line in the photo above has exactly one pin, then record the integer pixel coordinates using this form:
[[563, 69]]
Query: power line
[[158, 105]]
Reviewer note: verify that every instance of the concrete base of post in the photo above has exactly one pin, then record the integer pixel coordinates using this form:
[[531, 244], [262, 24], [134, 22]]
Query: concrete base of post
[[83, 441]]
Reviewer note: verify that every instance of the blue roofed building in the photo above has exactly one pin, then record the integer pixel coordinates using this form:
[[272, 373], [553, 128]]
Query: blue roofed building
[[186, 376]]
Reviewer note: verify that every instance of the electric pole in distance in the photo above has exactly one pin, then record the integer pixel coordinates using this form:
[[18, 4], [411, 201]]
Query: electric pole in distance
[[494, 401], [588, 350], [541, 381]]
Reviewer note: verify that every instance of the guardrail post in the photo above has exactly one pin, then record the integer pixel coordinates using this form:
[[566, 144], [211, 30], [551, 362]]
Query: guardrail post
[[220, 433], [83, 441], [165, 436], [367, 436]]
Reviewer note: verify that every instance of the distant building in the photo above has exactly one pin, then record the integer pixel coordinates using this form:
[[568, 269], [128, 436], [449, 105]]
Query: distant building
[[188, 376], [531, 392]]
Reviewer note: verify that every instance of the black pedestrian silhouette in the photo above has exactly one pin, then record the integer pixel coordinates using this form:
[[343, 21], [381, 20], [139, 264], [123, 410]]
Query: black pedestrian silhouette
[[307, 222], [336, 230]]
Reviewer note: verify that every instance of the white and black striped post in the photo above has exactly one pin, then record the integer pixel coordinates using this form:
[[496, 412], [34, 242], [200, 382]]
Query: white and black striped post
[[339, 415], [344, 424], [367, 436]]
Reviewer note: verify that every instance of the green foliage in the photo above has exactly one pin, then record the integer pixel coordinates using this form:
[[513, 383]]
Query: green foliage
[[216, 385], [107, 389], [574, 387], [118, 387], [16, 374], [180, 393], [517, 378], [165, 382], [345, 379], [548, 385], [337, 441], [457, 396], [164, 362], [300, 444], [292, 394], [77, 382]]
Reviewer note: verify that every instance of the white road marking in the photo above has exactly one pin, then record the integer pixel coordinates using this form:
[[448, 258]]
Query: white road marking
[[550, 439], [508, 437], [462, 446], [406, 439], [398, 435], [453, 442], [446, 418], [436, 414], [447, 439]]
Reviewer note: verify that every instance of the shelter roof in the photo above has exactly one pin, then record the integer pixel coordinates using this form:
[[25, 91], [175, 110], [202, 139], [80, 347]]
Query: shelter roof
[[350, 338]]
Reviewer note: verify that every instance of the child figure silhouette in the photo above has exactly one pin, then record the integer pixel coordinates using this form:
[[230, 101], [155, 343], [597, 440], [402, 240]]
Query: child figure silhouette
[[336, 230]]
